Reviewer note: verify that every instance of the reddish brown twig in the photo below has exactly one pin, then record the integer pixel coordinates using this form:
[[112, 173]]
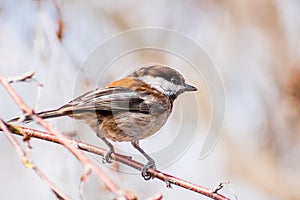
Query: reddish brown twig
[[168, 179], [24, 77], [62, 139], [59, 194], [156, 197]]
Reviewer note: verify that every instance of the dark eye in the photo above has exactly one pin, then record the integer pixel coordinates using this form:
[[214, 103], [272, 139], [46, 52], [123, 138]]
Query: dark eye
[[175, 80]]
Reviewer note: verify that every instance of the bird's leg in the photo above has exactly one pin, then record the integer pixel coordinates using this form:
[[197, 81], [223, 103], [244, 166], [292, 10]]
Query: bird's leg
[[150, 164], [107, 157]]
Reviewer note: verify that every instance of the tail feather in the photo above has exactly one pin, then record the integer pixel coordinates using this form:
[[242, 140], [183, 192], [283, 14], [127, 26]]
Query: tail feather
[[44, 115]]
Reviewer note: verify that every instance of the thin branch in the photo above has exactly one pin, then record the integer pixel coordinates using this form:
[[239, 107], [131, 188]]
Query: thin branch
[[24, 77], [166, 178], [28, 76], [59, 194], [62, 140], [156, 197]]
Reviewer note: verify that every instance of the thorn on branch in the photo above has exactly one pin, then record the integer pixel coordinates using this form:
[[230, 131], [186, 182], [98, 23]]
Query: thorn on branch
[[220, 186], [26, 138], [57, 195], [168, 183]]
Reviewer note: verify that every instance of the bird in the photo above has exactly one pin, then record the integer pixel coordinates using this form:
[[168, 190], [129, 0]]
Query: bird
[[127, 110]]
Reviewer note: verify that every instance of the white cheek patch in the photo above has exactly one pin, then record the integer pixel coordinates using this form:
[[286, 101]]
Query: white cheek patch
[[162, 85]]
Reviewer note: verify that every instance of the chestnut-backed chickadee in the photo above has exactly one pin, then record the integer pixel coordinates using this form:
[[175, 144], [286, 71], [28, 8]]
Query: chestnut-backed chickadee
[[129, 109]]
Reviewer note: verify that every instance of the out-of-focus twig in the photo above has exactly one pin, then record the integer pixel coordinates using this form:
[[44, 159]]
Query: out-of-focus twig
[[59, 194], [24, 77], [156, 197], [62, 140], [60, 22], [28, 76]]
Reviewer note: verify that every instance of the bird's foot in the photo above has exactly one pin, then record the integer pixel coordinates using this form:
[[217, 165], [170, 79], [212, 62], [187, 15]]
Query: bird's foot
[[107, 157], [145, 174]]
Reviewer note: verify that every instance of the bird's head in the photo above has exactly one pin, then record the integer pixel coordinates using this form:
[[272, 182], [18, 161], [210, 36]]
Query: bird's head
[[164, 79]]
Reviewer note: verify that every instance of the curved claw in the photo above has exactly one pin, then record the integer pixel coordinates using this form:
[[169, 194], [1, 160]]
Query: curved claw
[[107, 157], [145, 174]]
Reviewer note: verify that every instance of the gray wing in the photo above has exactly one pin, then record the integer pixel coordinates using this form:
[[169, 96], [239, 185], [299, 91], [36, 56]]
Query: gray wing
[[114, 99]]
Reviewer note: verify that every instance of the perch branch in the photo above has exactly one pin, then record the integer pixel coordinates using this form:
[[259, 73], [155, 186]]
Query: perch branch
[[166, 178]]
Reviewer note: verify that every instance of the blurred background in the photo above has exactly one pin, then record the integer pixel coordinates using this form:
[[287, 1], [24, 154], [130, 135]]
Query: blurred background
[[253, 44]]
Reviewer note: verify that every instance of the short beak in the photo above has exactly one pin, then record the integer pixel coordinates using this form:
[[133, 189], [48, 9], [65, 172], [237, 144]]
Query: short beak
[[190, 88]]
